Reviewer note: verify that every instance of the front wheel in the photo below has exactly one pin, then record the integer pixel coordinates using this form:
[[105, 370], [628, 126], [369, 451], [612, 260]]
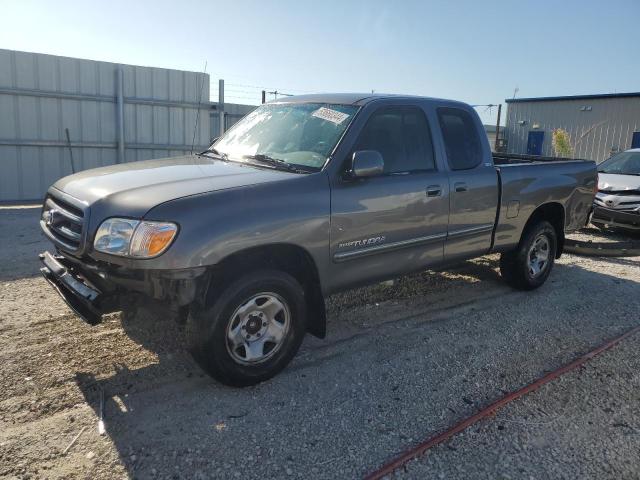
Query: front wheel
[[529, 266], [251, 330]]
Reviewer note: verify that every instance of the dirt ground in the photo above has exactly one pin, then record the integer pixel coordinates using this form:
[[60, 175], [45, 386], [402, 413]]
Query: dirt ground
[[400, 363]]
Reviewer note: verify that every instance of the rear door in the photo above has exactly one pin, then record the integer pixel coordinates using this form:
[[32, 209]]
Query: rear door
[[395, 222], [473, 183]]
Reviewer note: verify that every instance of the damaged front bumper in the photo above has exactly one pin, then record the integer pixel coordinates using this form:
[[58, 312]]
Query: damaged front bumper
[[92, 289], [615, 218], [82, 298]]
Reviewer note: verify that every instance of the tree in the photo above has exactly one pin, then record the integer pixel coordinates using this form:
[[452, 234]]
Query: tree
[[561, 143]]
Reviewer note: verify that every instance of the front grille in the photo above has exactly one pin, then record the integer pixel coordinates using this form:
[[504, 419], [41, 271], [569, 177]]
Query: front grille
[[63, 222], [619, 192], [620, 203]]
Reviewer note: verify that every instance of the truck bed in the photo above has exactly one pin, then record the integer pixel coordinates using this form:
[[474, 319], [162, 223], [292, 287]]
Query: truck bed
[[527, 181]]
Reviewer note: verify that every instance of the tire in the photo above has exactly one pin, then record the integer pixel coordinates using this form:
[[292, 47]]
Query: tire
[[251, 330], [522, 268]]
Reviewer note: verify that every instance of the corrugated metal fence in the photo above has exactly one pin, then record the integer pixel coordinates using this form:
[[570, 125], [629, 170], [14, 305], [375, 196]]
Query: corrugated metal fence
[[232, 113], [110, 117]]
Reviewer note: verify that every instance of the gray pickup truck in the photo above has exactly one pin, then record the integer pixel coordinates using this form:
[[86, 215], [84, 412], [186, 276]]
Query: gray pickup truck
[[304, 197]]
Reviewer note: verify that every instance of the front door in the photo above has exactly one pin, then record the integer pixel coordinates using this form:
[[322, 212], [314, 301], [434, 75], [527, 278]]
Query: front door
[[534, 143], [473, 183], [396, 222]]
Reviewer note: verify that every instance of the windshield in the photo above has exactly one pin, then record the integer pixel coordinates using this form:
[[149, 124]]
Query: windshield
[[302, 134], [625, 163]]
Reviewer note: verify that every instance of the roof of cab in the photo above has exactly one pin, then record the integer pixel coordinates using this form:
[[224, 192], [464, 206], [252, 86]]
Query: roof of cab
[[358, 99]]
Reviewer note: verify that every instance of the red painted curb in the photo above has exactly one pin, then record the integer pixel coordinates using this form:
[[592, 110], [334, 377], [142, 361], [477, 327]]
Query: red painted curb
[[419, 449]]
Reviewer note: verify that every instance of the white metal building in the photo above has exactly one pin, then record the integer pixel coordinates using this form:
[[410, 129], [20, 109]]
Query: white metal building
[[598, 125]]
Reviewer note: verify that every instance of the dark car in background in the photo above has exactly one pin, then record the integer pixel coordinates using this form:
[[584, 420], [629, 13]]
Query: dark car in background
[[617, 202]]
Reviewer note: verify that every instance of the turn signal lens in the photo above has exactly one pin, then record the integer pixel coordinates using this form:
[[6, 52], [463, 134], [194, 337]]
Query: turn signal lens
[[152, 238]]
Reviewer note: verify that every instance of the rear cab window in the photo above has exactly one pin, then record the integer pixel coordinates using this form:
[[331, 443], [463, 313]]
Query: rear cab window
[[461, 139]]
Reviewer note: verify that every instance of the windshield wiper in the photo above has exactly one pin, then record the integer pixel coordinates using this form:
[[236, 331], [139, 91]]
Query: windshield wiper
[[277, 163], [217, 153]]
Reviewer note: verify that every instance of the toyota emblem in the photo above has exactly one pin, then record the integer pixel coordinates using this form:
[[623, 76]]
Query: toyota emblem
[[48, 216]]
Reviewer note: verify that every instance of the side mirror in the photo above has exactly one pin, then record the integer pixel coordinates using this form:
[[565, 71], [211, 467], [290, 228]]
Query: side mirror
[[366, 163]]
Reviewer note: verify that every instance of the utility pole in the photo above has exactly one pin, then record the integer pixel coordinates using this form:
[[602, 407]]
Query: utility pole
[[498, 128], [221, 105]]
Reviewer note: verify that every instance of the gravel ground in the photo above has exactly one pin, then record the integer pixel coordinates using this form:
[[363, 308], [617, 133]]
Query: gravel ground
[[400, 363], [584, 425], [604, 235]]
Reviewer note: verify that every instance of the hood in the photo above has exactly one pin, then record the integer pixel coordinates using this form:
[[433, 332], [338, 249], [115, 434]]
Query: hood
[[616, 182], [134, 188]]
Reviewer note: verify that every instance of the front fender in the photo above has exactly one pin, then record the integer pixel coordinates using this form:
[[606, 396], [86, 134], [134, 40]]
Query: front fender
[[218, 224]]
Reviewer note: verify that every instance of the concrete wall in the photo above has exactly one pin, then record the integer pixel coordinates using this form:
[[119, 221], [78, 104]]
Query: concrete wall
[[42, 95], [597, 127]]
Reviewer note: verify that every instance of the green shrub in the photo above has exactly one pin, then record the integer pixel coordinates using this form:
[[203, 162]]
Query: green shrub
[[561, 143]]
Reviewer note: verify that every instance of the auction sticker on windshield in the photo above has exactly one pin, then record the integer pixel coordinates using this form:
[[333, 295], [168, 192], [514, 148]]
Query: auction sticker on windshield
[[330, 115]]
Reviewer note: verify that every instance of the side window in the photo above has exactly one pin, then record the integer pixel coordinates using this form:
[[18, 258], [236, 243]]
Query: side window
[[403, 138], [461, 140]]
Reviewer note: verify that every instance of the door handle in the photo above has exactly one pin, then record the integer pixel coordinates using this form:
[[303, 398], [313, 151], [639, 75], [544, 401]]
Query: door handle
[[434, 191], [460, 187]]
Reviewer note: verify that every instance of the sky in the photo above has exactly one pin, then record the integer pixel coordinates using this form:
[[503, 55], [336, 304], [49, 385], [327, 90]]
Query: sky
[[480, 52]]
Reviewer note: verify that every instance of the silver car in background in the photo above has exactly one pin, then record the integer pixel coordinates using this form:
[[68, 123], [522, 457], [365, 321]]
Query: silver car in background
[[617, 202]]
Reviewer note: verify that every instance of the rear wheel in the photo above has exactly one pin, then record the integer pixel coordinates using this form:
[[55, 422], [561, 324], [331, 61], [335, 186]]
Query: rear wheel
[[251, 330], [529, 266]]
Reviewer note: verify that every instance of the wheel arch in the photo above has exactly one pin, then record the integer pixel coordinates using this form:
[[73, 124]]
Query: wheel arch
[[292, 259], [554, 213]]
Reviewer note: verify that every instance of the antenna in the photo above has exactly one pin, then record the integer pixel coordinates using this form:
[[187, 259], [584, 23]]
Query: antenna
[[515, 91], [195, 127]]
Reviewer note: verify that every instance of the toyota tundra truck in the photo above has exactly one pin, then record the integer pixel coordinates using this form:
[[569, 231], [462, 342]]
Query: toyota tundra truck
[[304, 197]]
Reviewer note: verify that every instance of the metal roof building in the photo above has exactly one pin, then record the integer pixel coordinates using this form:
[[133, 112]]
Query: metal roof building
[[598, 125]]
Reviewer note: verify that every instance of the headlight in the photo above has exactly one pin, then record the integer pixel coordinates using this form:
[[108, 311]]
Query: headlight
[[133, 238], [114, 236]]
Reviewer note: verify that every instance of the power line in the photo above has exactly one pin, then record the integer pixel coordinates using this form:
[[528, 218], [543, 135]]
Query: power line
[[263, 87], [248, 86], [240, 96], [269, 88], [275, 93], [237, 90]]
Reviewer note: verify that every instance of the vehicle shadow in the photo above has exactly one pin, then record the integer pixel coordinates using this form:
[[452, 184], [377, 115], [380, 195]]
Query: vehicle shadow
[[345, 406], [624, 261], [614, 233]]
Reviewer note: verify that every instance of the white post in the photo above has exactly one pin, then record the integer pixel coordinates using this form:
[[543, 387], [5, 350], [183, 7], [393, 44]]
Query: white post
[[120, 113], [221, 105]]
